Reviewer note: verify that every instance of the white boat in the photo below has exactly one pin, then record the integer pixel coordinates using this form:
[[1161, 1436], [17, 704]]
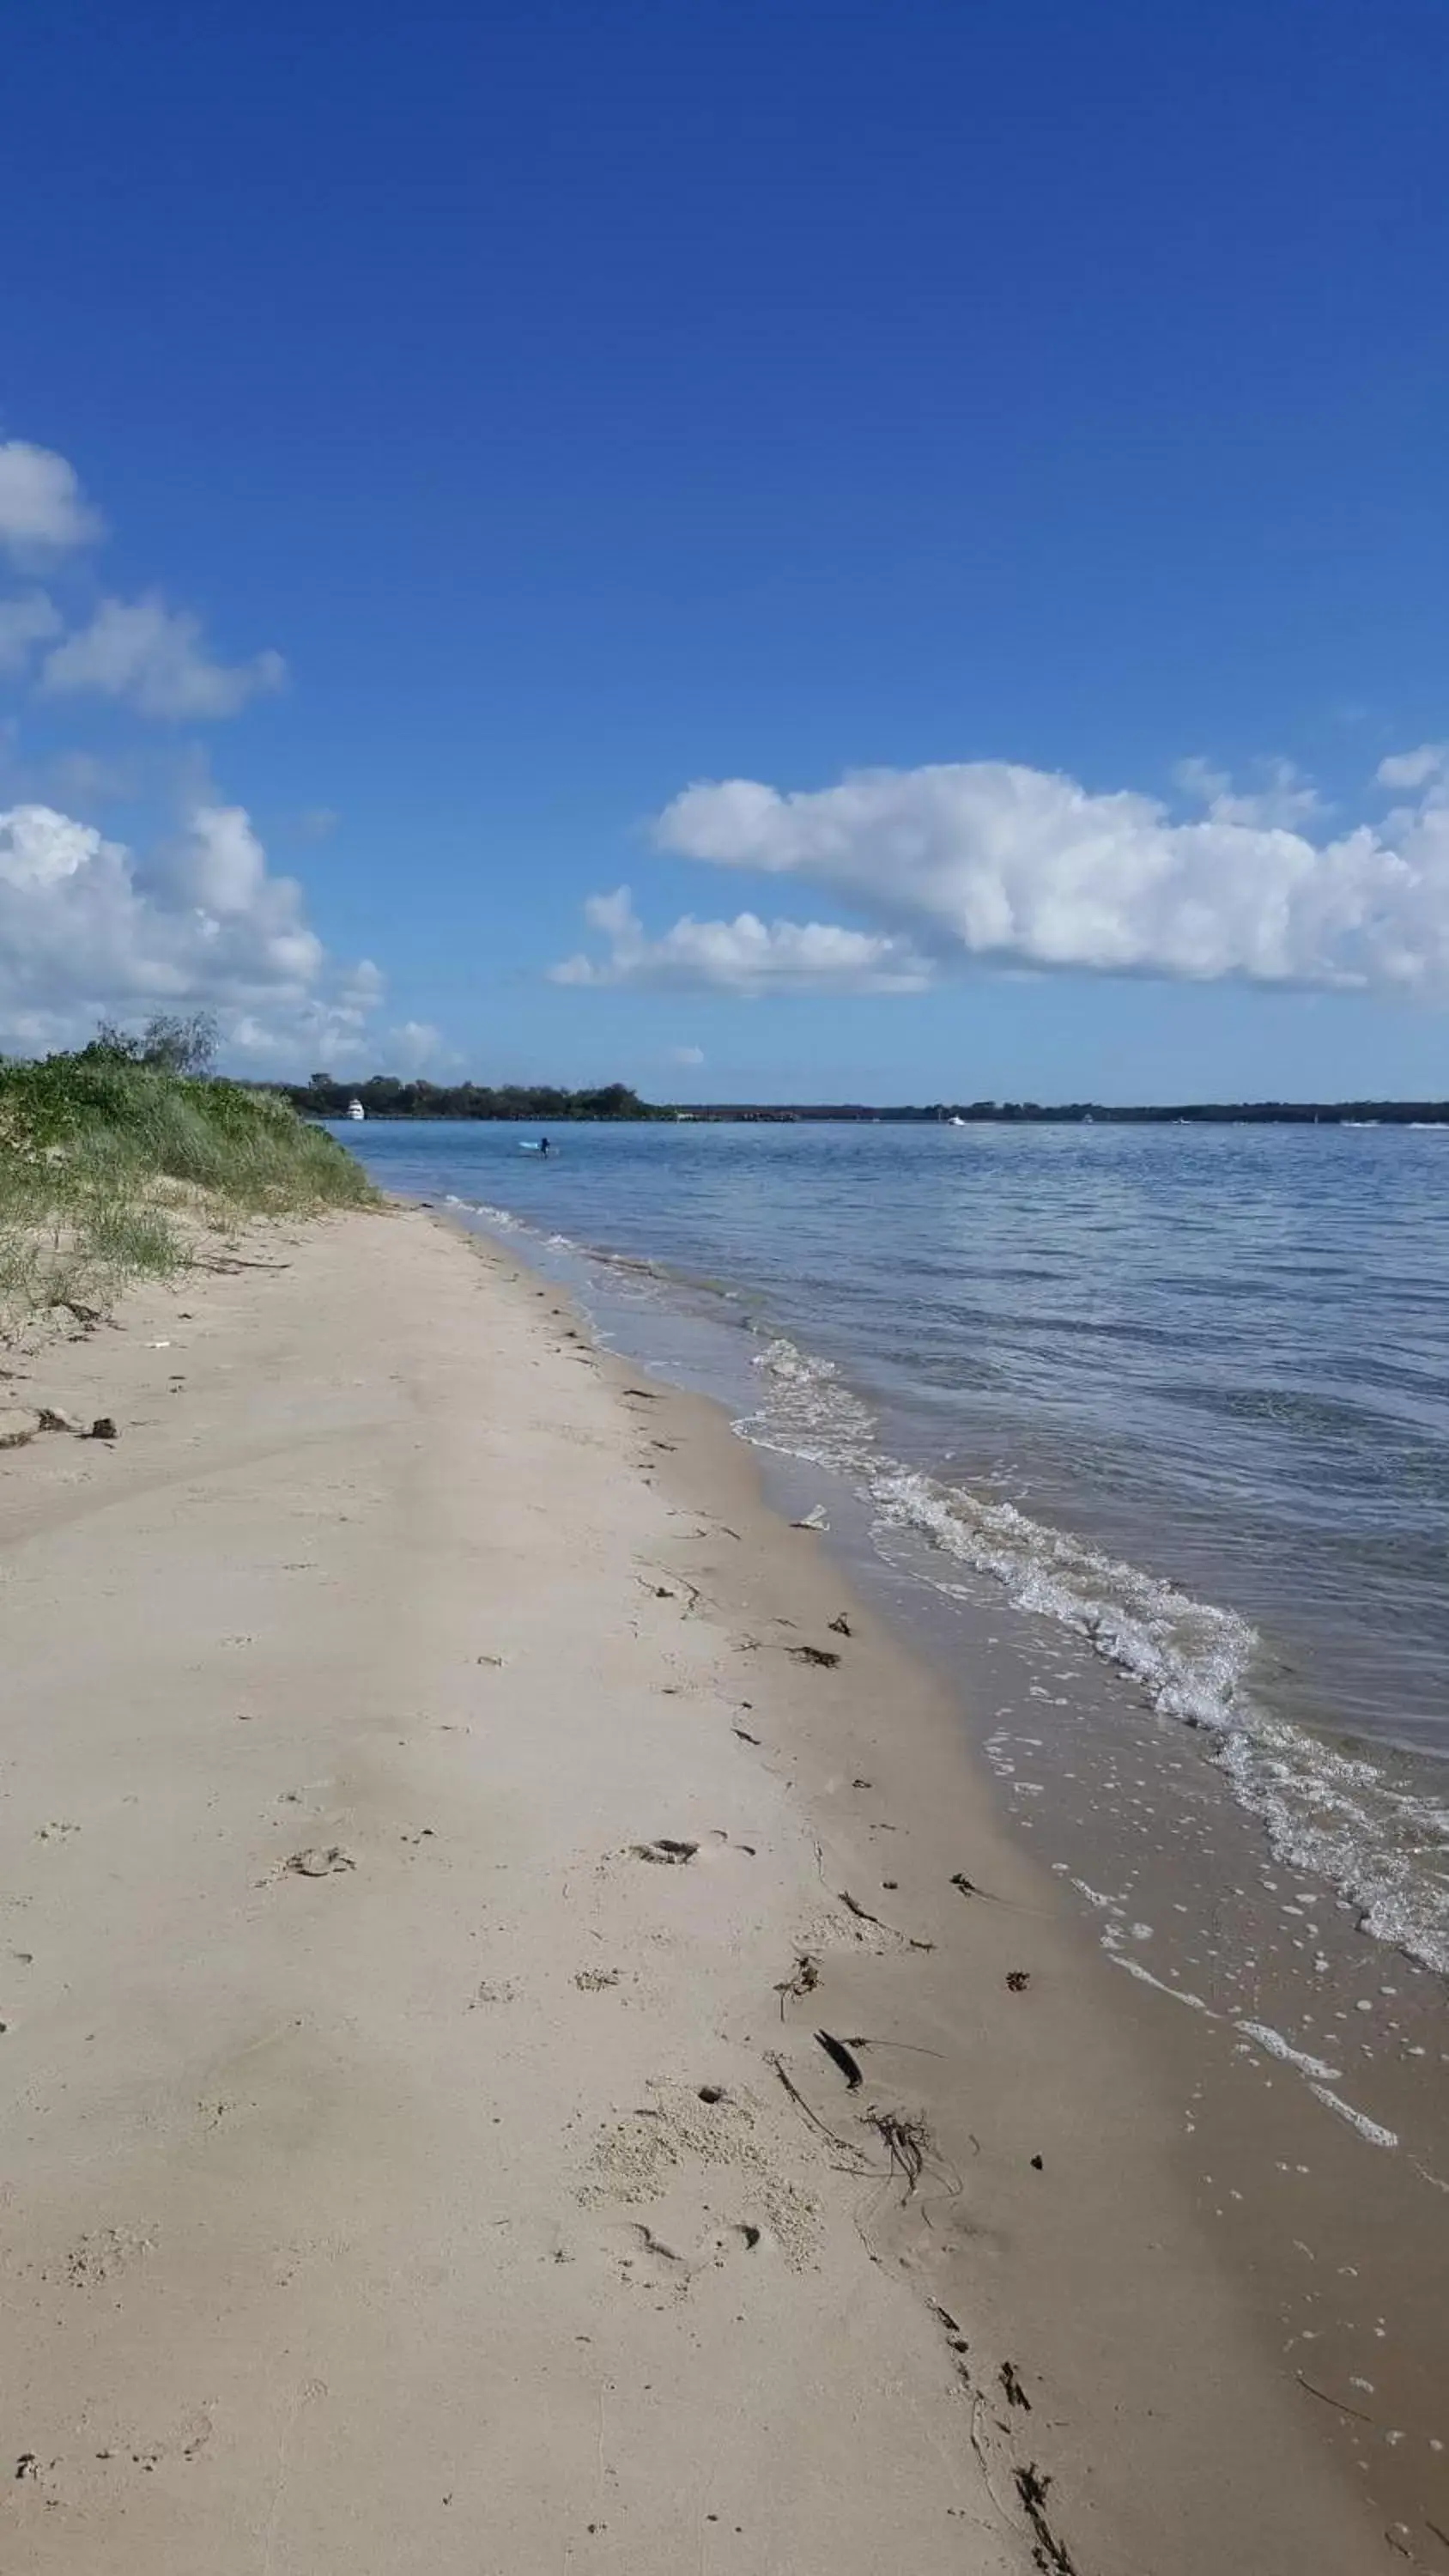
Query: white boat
[[355, 1109]]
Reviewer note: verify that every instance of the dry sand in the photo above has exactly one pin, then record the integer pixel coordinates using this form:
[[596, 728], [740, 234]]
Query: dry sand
[[429, 1858]]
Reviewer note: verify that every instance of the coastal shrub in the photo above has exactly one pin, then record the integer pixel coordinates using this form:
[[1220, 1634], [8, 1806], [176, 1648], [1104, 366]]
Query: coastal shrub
[[106, 1154]]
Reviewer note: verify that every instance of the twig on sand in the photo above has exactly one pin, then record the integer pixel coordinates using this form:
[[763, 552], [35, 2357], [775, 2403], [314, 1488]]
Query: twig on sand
[[863, 2039], [858, 2163], [1050, 2553], [233, 1261], [905, 2143], [693, 1590], [863, 1914], [965, 1886], [803, 1980], [1324, 2399]]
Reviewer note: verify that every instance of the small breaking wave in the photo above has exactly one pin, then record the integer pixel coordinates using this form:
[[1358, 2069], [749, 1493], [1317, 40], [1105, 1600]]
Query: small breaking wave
[[1325, 1809], [1191, 1658], [499, 1216], [808, 1412]]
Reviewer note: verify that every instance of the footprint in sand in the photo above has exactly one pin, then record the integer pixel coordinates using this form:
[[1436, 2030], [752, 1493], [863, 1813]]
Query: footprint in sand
[[666, 2150], [318, 1862], [653, 2261], [668, 1853]]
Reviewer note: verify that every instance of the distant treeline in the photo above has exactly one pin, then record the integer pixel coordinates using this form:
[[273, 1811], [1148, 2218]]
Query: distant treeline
[[1086, 1113], [384, 1096]]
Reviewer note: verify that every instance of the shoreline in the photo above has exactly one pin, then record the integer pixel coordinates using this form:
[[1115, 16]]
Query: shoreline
[[453, 2178], [1309, 2067], [1259, 2152], [1309, 1711]]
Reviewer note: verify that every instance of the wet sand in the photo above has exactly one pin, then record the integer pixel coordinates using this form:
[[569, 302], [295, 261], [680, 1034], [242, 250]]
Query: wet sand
[[446, 1816]]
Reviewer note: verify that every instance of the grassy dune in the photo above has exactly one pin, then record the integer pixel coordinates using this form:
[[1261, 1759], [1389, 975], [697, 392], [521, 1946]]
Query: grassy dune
[[111, 1170]]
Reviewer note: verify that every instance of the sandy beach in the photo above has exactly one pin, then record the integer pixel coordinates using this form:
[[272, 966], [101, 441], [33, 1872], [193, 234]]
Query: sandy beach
[[528, 2044]]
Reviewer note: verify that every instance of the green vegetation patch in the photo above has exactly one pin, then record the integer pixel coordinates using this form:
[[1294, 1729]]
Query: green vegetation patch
[[110, 1157]]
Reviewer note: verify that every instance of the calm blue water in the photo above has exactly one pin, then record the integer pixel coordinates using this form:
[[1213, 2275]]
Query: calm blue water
[[1187, 1390]]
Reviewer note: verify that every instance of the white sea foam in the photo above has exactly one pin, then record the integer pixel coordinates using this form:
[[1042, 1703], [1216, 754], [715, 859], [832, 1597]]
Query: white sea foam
[[808, 1413], [1191, 1657], [1325, 1810], [1145, 1977], [1367, 2128], [1094, 1895], [496, 1216], [1263, 2036]]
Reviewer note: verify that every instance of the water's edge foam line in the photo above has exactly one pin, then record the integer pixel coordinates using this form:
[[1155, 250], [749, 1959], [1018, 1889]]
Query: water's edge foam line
[[1325, 1809]]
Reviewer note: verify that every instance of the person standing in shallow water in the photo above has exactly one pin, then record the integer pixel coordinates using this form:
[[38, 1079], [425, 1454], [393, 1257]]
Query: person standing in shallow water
[[544, 1146]]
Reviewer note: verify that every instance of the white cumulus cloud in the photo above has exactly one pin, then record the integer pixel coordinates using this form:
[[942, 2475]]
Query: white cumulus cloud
[[151, 656], [415, 1046], [685, 1056], [745, 955], [26, 621], [42, 507], [1415, 769], [88, 928], [1282, 796], [155, 658], [1027, 868]]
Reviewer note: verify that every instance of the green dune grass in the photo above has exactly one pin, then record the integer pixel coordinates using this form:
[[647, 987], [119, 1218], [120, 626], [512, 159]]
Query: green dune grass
[[109, 1168]]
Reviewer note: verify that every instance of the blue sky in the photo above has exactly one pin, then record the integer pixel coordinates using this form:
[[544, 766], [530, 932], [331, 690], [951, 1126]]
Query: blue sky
[[585, 405]]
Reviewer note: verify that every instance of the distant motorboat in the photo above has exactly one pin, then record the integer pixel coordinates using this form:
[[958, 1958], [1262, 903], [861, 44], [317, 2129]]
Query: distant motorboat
[[355, 1109], [955, 1122]]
